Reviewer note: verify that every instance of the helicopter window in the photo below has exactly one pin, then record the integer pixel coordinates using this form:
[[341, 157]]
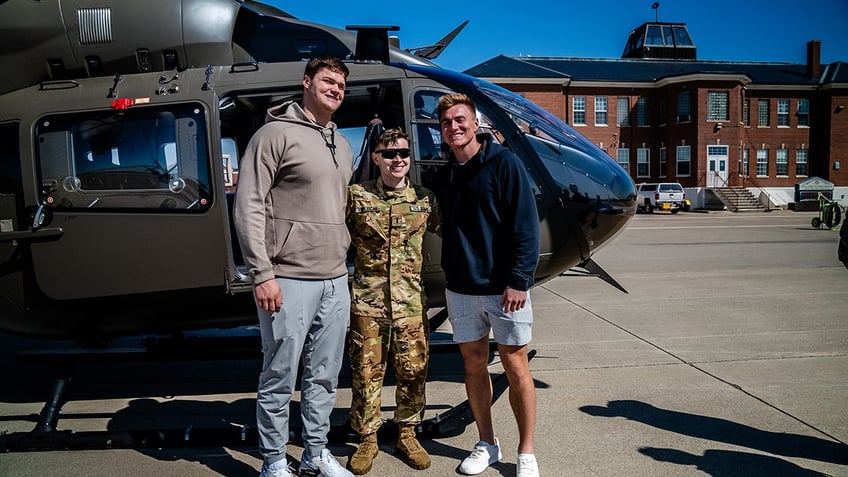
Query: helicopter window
[[229, 156], [564, 153], [146, 158], [427, 134], [425, 104], [242, 115]]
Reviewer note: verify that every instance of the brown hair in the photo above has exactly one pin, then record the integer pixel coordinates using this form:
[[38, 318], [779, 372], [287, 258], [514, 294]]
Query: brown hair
[[450, 100], [389, 137], [333, 64]]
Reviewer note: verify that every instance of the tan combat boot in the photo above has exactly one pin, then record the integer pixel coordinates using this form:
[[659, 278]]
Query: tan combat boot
[[361, 460], [410, 450]]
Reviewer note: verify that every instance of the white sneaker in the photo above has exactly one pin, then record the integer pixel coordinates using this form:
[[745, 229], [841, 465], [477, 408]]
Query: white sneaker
[[324, 465], [277, 469], [527, 466], [483, 455]]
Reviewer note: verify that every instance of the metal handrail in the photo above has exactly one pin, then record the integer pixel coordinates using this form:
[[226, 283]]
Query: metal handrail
[[761, 189]]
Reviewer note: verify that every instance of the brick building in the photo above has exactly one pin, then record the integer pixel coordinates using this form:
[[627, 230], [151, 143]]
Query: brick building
[[712, 126]]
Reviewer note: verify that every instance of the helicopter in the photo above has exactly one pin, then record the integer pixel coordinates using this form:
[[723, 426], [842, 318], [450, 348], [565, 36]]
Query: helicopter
[[122, 124]]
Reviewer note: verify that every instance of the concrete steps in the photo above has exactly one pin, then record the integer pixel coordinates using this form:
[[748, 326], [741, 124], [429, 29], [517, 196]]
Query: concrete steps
[[738, 199]]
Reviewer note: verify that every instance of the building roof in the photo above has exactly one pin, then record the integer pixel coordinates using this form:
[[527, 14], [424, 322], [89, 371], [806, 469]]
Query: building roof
[[650, 70]]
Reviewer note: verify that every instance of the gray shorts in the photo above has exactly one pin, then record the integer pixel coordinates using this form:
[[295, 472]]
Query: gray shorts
[[473, 316]]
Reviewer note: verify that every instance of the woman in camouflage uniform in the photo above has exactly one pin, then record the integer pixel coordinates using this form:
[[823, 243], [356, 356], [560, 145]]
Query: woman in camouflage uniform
[[387, 218]]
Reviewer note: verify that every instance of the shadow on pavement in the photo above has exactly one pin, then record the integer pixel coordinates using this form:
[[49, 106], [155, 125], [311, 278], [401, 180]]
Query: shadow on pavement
[[722, 430], [730, 463]]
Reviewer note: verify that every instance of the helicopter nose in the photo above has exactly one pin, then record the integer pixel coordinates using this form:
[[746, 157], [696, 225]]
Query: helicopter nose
[[609, 197]]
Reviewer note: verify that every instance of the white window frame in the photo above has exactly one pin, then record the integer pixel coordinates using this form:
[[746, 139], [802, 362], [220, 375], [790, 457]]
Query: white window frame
[[663, 161], [801, 156], [578, 111], [781, 163], [601, 105], [643, 162], [803, 113], [683, 156], [622, 156], [762, 162], [783, 113]]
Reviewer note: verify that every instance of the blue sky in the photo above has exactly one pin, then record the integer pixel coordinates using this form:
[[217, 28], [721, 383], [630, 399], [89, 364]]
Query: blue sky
[[724, 30]]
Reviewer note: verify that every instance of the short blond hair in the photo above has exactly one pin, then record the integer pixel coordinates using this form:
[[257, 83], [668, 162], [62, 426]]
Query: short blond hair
[[450, 100]]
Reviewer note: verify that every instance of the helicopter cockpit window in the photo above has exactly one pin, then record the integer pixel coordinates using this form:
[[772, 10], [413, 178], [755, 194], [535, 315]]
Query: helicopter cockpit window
[[145, 158], [564, 153], [432, 153]]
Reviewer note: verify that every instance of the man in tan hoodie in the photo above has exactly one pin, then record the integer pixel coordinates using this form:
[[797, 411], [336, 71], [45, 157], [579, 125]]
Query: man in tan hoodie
[[290, 220]]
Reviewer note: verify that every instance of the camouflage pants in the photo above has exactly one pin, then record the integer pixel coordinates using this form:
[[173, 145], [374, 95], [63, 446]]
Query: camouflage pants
[[374, 342]]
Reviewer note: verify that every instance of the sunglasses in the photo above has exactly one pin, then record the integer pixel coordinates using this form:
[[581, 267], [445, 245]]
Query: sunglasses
[[391, 153]]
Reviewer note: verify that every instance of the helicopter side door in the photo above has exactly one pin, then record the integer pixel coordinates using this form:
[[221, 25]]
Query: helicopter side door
[[134, 192]]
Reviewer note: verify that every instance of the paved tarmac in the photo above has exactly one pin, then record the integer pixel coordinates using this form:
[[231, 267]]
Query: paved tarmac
[[728, 357]]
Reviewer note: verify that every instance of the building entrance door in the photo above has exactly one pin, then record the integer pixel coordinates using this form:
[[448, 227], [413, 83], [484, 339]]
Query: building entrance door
[[717, 166]]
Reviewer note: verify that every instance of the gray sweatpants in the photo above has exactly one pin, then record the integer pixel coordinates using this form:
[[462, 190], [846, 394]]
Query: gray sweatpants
[[311, 326]]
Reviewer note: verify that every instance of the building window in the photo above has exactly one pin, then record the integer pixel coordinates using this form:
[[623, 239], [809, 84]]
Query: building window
[[663, 161], [801, 162], [783, 113], [623, 158], [684, 107], [782, 161], [746, 157], [762, 162], [600, 111], [746, 113], [622, 113], [763, 113], [579, 110], [684, 161], [643, 115], [803, 113], [643, 162], [717, 106]]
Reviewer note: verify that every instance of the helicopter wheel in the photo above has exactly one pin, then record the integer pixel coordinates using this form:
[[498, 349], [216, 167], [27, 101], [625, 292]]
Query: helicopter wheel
[[816, 222]]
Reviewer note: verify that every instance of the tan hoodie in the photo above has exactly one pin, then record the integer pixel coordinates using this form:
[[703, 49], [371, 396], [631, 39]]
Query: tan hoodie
[[290, 201]]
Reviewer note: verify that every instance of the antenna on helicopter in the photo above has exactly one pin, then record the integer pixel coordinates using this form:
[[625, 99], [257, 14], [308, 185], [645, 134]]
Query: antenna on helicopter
[[656, 7], [433, 51]]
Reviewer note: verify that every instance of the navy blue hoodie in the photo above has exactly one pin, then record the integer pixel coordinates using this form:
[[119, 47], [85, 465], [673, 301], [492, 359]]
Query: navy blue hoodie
[[490, 223]]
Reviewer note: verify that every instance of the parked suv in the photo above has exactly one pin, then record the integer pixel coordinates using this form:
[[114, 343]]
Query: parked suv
[[662, 195]]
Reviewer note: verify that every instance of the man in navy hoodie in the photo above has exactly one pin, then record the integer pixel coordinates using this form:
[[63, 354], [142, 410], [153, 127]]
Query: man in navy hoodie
[[490, 250]]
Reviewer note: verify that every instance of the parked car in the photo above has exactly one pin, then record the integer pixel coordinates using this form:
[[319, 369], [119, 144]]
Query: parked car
[[660, 196]]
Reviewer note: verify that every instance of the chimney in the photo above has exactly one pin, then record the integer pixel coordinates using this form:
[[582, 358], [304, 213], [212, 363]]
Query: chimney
[[814, 58]]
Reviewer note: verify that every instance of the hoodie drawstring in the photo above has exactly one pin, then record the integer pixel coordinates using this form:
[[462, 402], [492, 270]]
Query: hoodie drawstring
[[331, 144]]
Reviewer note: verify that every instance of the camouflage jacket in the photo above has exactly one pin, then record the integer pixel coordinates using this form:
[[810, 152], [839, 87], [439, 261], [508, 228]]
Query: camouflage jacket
[[387, 232]]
